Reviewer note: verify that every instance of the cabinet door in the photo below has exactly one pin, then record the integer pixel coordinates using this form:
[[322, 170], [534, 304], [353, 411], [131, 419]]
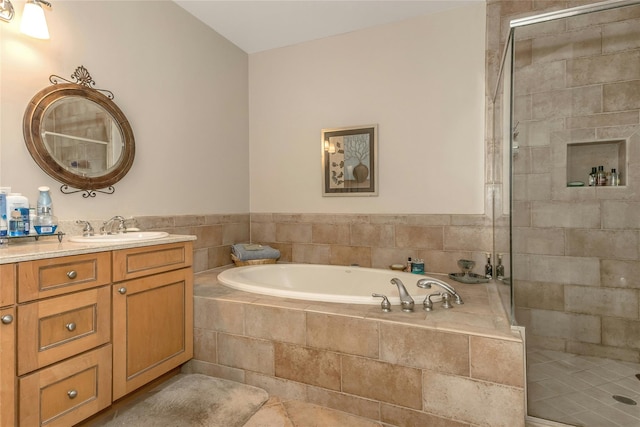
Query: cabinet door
[[66, 393], [7, 284], [152, 328], [148, 260], [7, 367]]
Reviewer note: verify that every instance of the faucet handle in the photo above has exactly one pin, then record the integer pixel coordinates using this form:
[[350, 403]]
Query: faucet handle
[[385, 304], [88, 229], [446, 296]]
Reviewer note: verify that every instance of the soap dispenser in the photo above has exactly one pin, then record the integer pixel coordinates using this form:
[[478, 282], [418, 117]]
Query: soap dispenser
[[45, 221]]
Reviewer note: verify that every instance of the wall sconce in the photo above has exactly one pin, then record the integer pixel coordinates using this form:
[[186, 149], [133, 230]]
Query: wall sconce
[[6, 10], [34, 23]]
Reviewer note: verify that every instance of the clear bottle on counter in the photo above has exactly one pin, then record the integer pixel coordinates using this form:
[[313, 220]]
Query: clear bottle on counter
[[16, 224], [44, 201], [500, 268], [488, 268], [45, 223], [4, 227], [601, 177]]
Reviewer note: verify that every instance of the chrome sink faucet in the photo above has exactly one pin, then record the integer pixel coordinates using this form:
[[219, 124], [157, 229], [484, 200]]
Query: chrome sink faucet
[[406, 302], [88, 229], [426, 284], [108, 226]]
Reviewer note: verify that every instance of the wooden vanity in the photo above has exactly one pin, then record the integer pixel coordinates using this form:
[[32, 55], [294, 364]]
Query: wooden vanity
[[85, 325]]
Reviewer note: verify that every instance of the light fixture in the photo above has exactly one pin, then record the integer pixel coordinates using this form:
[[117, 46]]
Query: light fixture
[[34, 23], [6, 10]]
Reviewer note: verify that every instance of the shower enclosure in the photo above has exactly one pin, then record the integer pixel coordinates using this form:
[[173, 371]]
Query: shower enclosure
[[568, 100]]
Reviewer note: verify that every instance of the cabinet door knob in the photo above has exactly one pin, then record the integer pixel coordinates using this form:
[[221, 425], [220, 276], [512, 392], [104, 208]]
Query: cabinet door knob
[[70, 326], [72, 274], [7, 319], [122, 290], [72, 394]]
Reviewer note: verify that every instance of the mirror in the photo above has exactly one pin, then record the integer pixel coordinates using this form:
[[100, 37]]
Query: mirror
[[78, 135]]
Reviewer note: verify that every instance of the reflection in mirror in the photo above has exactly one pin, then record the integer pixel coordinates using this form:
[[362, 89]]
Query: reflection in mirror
[[81, 136], [78, 135]]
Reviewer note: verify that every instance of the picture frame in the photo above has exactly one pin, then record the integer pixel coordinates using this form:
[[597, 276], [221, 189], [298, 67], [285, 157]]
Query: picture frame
[[350, 161]]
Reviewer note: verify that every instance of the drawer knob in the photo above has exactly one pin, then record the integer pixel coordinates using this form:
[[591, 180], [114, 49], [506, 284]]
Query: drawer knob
[[72, 274], [72, 394], [7, 319], [122, 290], [70, 326]]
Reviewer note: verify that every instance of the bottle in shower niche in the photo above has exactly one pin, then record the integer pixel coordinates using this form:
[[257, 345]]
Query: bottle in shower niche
[[601, 177], [592, 176], [500, 268], [488, 268], [615, 178]]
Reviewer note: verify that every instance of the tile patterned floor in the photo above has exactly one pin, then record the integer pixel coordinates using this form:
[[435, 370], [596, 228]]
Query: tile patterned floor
[[578, 390], [291, 413]]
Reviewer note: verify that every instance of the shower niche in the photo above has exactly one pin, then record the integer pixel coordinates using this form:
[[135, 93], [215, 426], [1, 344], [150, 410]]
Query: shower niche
[[582, 156]]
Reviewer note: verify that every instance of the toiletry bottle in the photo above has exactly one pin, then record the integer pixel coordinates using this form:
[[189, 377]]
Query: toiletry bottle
[[592, 176], [488, 268], [45, 223], [601, 177], [4, 227], [44, 201], [615, 181], [409, 265], [15, 201], [16, 225], [499, 268]]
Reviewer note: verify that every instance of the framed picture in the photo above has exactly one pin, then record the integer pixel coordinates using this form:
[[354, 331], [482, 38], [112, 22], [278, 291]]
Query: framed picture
[[350, 161]]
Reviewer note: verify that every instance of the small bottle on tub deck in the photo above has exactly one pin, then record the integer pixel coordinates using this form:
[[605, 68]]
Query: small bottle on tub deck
[[488, 268]]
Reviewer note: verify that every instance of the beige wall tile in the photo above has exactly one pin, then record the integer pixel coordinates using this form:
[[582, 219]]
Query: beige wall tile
[[468, 238], [603, 243], [274, 323], [625, 354], [343, 334], [558, 269], [497, 361], [204, 345], [558, 324], [310, 253], [219, 256], [541, 295], [307, 365], [622, 274], [382, 381], [397, 416], [347, 255], [565, 214], [235, 233], [208, 235], [246, 353], [344, 402], [418, 237], [262, 231], [384, 257], [622, 96], [213, 370], [279, 387], [544, 241], [567, 103], [330, 233], [620, 36], [602, 301], [621, 332], [372, 235], [294, 233], [442, 351], [218, 315], [469, 400], [606, 119], [621, 214], [567, 45], [615, 67], [540, 77]]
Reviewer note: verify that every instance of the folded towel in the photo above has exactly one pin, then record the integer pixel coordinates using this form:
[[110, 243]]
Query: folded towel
[[246, 251]]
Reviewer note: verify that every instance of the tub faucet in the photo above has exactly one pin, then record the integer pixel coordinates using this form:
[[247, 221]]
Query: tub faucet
[[426, 284], [406, 302]]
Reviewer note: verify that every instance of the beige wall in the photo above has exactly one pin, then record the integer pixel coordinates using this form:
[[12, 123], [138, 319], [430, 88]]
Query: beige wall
[[420, 80], [182, 86]]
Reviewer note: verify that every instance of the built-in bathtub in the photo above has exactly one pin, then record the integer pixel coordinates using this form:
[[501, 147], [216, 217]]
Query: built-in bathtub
[[443, 367], [328, 283]]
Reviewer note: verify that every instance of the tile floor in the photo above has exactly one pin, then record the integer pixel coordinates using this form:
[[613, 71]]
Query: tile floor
[[577, 390], [278, 413]]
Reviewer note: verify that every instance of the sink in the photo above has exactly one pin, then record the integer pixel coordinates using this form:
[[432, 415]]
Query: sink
[[136, 236]]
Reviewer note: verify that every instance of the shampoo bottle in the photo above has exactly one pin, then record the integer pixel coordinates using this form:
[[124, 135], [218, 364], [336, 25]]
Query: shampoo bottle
[[488, 268]]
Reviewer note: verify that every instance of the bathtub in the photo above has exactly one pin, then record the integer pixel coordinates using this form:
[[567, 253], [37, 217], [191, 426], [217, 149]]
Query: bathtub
[[329, 283]]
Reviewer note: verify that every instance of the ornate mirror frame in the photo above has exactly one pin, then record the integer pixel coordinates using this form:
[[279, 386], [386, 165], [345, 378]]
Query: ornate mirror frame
[[33, 134]]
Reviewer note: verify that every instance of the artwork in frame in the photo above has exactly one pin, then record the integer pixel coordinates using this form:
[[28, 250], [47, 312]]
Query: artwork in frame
[[350, 161]]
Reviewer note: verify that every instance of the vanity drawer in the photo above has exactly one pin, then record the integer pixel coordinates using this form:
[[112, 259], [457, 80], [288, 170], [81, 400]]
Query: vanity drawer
[[68, 392], [7, 284], [55, 276], [144, 261], [56, 328]]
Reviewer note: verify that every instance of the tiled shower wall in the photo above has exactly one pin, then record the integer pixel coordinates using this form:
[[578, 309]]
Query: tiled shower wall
[[576, 250]]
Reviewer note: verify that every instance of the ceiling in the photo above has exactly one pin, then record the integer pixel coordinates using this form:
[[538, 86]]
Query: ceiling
[[258, 25]]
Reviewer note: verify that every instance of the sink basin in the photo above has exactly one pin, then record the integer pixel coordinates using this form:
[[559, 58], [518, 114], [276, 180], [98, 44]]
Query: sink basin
[[136, 236]]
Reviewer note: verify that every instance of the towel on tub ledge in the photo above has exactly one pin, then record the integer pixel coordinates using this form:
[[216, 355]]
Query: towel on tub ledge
[[250, 251]]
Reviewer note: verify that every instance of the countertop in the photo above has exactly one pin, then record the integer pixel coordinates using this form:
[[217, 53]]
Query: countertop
[[48, 247]]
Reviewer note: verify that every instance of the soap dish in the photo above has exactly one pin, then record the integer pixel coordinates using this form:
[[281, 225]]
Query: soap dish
[[468, 278]]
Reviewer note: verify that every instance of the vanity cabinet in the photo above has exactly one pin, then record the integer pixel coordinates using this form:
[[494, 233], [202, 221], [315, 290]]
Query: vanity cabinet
[[81, 331], [152, 313]]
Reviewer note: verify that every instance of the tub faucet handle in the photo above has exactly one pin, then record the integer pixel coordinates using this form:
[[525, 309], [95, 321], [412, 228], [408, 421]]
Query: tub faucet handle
[[406, 302], [427, 304], [446, 296], [385, 304]]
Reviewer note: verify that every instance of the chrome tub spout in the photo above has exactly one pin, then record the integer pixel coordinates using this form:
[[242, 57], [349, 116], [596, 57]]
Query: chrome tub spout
[[406, 302], [426, 284]]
